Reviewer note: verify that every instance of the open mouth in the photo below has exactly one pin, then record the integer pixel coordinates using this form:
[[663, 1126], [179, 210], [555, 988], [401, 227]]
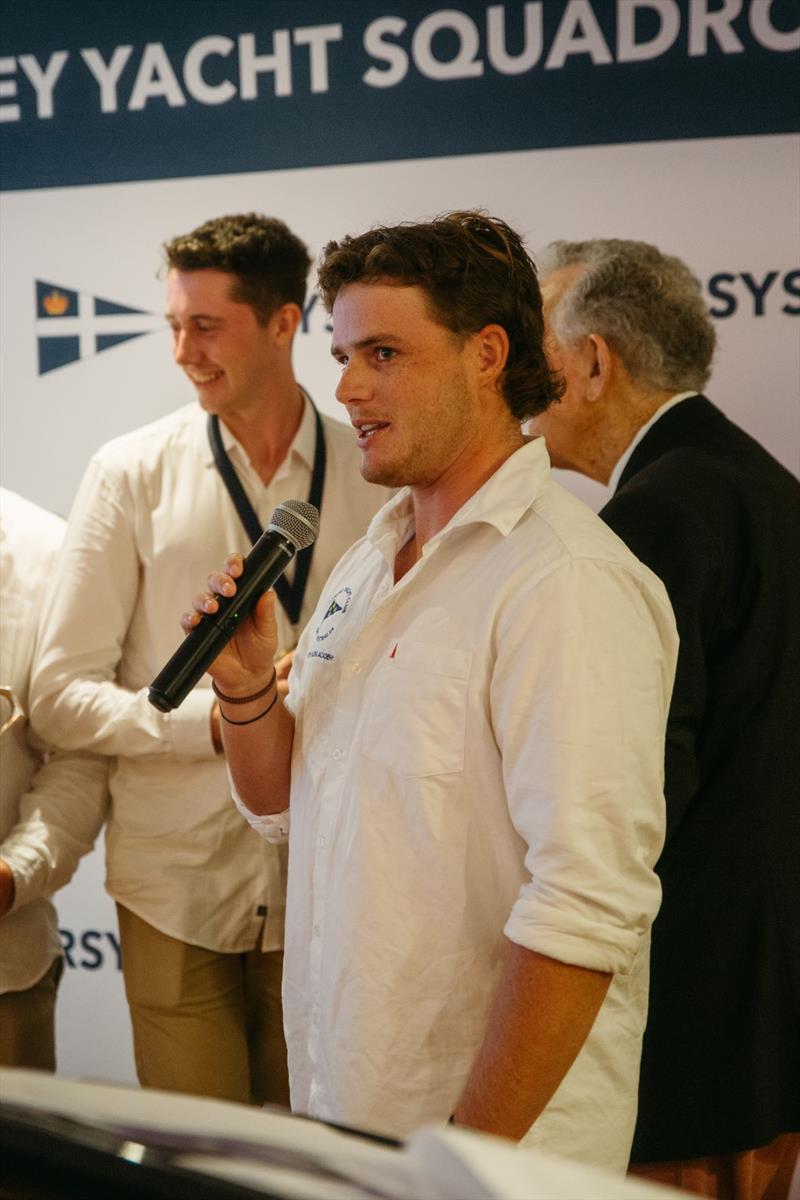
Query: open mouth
[[201, 377], [366, 430]]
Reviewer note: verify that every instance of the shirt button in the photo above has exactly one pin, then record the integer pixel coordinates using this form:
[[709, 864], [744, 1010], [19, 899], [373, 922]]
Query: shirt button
[[316, 931], [356, 668], [320, 842], [337, 754]]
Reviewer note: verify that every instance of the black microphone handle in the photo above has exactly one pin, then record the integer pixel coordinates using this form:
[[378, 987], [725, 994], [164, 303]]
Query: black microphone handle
[[268, 559]]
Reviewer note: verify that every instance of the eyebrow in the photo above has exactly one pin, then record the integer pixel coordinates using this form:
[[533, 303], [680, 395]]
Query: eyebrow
[[169, 316], [375, 339]]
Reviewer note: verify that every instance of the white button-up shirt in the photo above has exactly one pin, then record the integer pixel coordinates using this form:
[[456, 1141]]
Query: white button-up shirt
[[151, 518], [478, 752], [51, 810]]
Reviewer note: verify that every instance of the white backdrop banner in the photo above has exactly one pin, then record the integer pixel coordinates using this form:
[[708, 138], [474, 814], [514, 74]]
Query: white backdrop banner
[[672, 121]]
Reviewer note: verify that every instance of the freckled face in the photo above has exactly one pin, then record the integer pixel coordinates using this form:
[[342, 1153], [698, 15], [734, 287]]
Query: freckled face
[[218, 342], [408, 384]]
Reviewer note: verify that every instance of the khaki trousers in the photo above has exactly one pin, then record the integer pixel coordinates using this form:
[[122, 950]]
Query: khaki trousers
[[27, 1023], [763, 1174], [204, 1022]]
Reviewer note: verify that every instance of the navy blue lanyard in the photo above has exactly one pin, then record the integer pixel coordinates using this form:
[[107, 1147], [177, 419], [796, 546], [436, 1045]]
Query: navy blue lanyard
[[290, 595]]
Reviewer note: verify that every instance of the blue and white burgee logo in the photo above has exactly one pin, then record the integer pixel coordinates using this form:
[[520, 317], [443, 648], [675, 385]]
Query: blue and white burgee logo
[[72, 325], [339, 604]]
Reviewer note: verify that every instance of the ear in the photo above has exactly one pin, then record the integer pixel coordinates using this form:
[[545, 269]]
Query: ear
[[491, 347], [284, 322], [600, 366]]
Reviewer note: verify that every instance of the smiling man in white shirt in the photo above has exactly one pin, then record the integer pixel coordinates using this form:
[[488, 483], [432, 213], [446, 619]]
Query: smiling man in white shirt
[[471, 754], [200, 899]]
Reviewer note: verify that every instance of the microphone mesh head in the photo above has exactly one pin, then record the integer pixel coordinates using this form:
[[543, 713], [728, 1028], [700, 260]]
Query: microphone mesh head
[[297, 521]]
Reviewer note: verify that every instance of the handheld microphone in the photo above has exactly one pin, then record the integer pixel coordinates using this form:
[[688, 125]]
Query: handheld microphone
[[293, 526]]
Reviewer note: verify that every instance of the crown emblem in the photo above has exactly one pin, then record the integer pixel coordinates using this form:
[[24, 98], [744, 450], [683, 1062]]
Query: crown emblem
[[72, 325], [55, 303]]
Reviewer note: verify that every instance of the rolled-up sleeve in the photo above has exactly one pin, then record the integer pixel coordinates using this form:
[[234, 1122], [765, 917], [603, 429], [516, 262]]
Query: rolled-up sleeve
[[579, 703], [77, 699], [273, 827], [60, 817]]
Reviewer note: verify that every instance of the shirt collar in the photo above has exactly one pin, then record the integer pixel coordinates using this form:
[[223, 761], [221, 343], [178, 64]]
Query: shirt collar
[[303, 444], [501, 501], [624, 458]]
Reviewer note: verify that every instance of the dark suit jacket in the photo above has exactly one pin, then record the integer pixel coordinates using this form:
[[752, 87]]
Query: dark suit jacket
[[718, 519]]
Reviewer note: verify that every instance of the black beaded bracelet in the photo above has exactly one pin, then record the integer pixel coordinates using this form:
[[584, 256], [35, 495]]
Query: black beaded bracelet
[[243, 699], [251, 721]]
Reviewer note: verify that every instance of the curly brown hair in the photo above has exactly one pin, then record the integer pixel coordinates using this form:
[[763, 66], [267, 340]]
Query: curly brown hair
[[475, 271], [269, 262]]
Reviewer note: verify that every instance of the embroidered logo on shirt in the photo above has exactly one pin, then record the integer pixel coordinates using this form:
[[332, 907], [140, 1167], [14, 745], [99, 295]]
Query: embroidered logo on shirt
[[339, 605]]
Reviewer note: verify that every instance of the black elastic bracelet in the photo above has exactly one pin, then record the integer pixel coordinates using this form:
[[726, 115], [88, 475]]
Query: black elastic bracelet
[[243, 699], [269, 708]]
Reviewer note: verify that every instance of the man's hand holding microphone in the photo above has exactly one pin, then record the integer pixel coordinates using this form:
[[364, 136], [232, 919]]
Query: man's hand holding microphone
[[231, 632]]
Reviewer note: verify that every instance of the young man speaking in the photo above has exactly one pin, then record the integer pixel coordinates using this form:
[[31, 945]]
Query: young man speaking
[[472, 746]]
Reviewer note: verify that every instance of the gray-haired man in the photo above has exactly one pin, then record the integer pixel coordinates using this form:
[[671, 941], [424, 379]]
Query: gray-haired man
[[717, 518]]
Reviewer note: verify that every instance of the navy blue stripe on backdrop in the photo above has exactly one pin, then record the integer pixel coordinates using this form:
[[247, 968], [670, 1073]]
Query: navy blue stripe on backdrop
[[93, 91]]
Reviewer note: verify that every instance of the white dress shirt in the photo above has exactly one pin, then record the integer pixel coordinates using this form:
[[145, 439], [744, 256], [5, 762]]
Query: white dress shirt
[[478, 751], [50, 811], [151, 519], [624, 458]]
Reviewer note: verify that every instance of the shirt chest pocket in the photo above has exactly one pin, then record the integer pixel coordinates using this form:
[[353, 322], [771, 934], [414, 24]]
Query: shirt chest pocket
[[416, 702]]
